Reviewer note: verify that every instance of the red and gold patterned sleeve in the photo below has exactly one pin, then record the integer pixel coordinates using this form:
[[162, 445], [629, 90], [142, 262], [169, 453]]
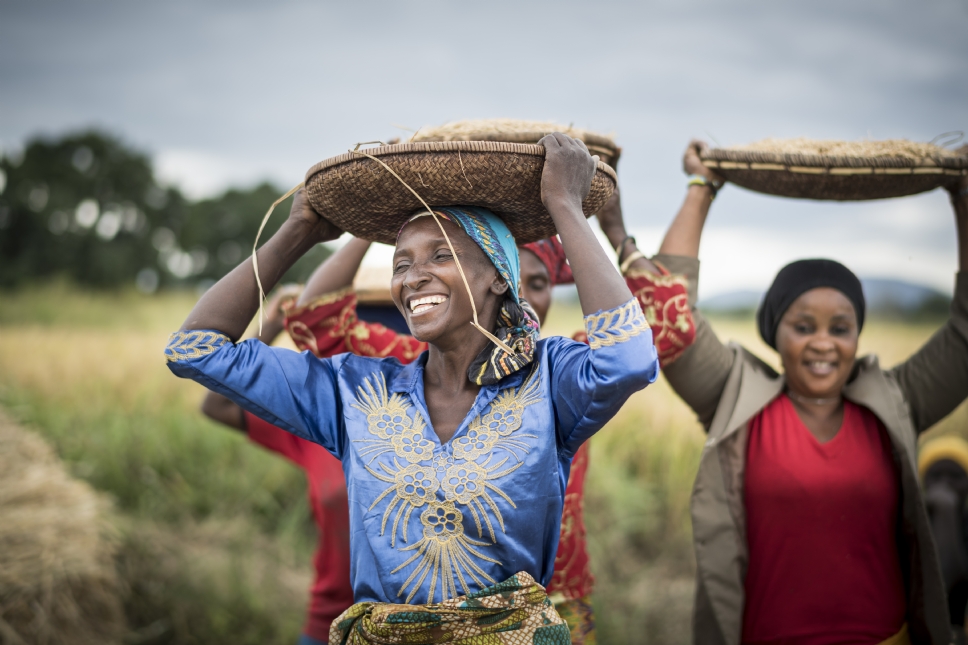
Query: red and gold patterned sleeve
[[573, 577], [328, 325], [664, 299]]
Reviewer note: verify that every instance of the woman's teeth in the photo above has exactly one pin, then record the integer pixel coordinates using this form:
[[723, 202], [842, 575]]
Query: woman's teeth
[[820, 367], [420, 305]]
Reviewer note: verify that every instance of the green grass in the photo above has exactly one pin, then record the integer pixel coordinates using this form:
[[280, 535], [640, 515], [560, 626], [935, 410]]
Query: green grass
[[216, 533]]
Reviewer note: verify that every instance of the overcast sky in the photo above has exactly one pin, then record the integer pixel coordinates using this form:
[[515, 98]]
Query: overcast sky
[[229, 93]]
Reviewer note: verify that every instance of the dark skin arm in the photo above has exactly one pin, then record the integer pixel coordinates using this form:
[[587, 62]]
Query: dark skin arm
[[684, 233], [337, 272], [959, 202], [229, 306], [223, 410], [565, 181], [613, 225]]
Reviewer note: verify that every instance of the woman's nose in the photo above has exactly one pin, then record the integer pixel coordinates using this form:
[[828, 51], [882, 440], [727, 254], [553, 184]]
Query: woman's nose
[[822, 344], [416, 276]]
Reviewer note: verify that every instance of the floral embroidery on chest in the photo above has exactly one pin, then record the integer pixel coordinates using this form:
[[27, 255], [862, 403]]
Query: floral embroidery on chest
[[443, 489]]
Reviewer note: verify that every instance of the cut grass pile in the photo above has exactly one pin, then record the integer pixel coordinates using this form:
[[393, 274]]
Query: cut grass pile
[[216, 535]]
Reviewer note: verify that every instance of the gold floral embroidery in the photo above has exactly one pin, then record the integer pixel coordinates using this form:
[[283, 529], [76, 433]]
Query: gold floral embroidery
[[186, 345], [412, 446], [416, 476], [616, 325], [444, 549], [387, 419]]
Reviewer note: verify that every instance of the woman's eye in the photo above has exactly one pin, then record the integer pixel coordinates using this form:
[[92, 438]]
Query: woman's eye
[[803, 329], [443, 256], [840, 330], [400, 268]]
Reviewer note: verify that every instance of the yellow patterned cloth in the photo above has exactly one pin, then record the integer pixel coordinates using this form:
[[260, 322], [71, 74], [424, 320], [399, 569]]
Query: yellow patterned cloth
[[514, 612], [580, 617], [947, 447]]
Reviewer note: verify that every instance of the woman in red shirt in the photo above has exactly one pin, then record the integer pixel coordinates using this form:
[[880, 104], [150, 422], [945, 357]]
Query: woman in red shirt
[[809, 525]]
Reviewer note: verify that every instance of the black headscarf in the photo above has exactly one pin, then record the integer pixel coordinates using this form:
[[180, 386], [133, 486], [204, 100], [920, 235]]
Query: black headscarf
[[797, 278]]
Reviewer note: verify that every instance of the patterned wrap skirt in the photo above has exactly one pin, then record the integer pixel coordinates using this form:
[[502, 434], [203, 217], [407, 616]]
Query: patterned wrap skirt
[[514, 612]]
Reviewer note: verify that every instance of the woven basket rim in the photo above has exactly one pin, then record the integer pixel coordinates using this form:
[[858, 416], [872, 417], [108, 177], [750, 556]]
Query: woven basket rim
[[444, 148], [825, 161]]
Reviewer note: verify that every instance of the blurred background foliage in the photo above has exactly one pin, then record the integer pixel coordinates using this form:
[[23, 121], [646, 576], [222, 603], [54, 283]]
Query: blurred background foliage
[[87, 207]]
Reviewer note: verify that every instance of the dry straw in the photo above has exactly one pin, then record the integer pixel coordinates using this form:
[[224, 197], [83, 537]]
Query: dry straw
[[58, 583], [518, 131], [896, 148]]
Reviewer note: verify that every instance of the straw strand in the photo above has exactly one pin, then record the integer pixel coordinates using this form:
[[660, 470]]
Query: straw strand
[[255, 245]]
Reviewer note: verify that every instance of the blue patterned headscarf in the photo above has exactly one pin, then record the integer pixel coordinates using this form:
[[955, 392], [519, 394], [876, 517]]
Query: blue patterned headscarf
[[516, 322], [493, 236]]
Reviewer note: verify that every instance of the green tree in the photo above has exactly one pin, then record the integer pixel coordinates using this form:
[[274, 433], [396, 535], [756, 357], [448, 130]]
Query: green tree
[[87, 207], [83, 206], [219, 232]]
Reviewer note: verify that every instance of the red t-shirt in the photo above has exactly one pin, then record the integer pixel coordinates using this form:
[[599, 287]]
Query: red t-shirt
[[821, 527], [331, 592]]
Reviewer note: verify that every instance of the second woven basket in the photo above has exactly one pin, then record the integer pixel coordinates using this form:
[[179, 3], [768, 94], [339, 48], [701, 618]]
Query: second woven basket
[[845, 177]]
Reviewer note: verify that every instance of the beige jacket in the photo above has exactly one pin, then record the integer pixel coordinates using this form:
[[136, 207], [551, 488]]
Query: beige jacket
[[727, 386]]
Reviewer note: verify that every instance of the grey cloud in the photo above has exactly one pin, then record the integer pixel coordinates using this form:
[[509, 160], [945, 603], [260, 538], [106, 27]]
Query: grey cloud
[[280, 85]]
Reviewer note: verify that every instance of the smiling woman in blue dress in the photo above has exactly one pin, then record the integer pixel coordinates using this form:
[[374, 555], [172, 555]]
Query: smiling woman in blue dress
[[456, 464]]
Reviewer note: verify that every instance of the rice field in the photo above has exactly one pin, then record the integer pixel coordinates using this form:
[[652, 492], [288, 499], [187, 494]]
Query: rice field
[[216, 535]]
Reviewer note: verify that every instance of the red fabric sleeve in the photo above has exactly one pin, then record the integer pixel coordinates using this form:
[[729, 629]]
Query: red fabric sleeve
[[275, 439], [328, 325], [665, 302], [573, 577]]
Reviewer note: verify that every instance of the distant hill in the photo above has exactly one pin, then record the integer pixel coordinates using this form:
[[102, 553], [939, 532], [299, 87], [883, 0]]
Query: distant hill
[[885, 296], [742, 300]]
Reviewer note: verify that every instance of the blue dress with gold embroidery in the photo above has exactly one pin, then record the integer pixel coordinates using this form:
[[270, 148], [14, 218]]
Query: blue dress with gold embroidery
[[431, 521]]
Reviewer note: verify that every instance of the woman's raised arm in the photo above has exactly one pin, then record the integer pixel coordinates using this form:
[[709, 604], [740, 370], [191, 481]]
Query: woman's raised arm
[[935, 378], [229, 306], [684, 233], [565, 181], [337, 272], [700, 373]]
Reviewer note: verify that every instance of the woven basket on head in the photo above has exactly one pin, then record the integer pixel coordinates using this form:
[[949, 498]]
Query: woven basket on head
[[362, 197], [518, 131], [837, 170]]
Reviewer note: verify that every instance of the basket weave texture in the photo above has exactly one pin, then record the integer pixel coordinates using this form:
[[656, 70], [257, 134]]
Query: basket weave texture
[[360, 196], [518, 131], [843, 178]]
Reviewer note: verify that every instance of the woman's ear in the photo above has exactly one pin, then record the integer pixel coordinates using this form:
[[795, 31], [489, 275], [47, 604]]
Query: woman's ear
[[499, 285]]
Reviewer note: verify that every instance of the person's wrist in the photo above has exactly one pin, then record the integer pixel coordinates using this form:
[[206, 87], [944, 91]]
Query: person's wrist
[[614, 234], [626, 247], [300, 234], [562, 204], [701, 181]]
